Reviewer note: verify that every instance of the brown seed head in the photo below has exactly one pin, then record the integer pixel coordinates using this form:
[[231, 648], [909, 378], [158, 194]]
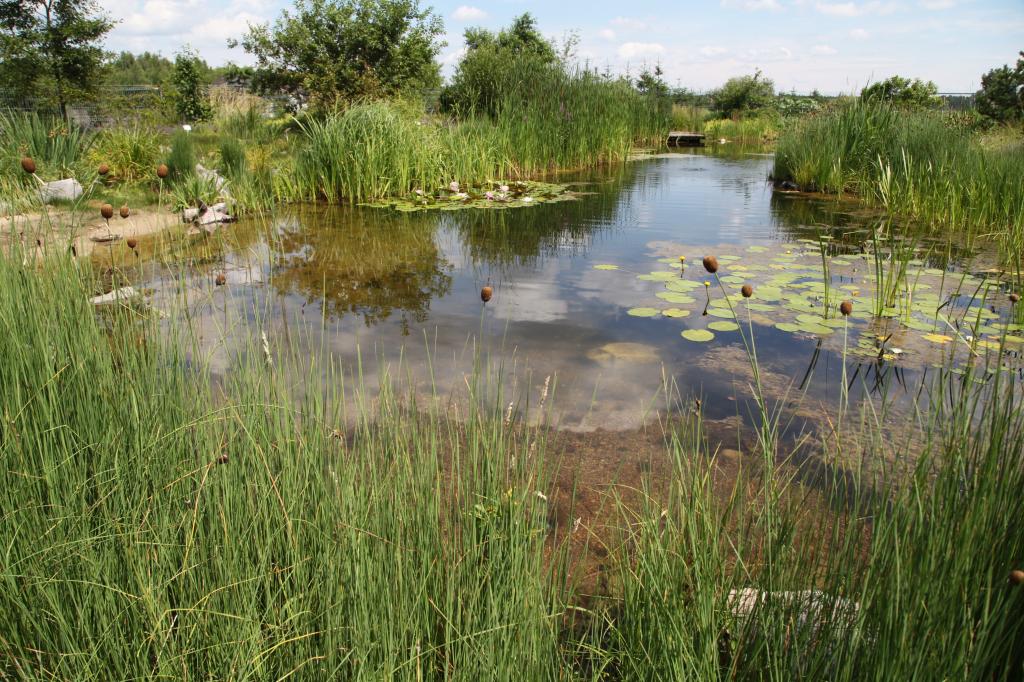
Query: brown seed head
[[28, 165], [107, 211], [131, 242], [1017, 577], [711, 264], [221, 279], [1014, 297], [846, 307], [103, 169], [162, 171], [223, 459], [486, 293], [125, 211], [747, 291]]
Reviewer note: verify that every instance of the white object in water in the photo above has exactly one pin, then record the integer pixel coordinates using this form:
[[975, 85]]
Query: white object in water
[[115, 296]]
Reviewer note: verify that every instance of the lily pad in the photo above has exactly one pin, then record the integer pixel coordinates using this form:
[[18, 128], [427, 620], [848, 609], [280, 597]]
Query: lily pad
[[606, 266], [697, 335], [787, 327], [674, 297], [937, 338], [643, 312], [723, 326], [675, 312]]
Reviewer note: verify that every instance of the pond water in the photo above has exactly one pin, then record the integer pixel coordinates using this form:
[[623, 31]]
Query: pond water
[[591, 298]]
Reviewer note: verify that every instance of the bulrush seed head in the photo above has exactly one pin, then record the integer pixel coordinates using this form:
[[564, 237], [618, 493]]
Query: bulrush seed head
[[221, 279], [107, 211], [711, 264], [486, 293], [1014, 297], [28, 164], [162, 171], [125, 211], [1017, 577], [747, 291], [103, 169], [131, 242], [846, 307]]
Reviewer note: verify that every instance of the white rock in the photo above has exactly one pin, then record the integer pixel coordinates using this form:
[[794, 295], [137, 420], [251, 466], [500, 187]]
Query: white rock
[[114, 296], [68, 189]]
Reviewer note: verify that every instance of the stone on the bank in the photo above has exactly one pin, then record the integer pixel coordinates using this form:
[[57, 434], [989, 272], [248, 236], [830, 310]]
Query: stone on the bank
[[115, 296], [67, 189]]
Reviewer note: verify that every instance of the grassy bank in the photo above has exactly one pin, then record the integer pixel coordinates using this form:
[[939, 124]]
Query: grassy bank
[[915, 165], [757, 128], [155, 527]]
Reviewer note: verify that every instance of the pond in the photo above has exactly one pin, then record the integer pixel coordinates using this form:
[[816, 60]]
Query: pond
[[591, 299]]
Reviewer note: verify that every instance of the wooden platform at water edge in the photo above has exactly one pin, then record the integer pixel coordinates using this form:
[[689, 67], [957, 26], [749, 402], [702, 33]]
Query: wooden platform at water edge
[[680, 138]]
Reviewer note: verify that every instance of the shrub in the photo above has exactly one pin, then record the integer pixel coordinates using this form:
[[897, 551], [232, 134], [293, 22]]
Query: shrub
[[190, 87], [232, 158], [743, 94], [904, 93], [130, 151]]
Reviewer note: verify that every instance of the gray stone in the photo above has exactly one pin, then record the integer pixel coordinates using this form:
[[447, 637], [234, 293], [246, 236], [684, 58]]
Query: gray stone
[[115, 296], [68, 189]]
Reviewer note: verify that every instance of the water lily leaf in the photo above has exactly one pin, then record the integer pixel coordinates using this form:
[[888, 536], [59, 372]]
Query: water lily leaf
[[721, 312], [674, 297], [819, 330], [937, 338], [762, 307], [606, 266], [643, 312], [723, 326], [659, 276], [733, 279], [675, 312], [683, 285], [697, 335], [787, 327], [757, 249]]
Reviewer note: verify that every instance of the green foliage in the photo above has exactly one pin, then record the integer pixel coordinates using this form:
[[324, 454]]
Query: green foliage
[[182, 159], [190, 86], [743, 94], [56, 146], [912, 163], [327, 51], [131, 152], [904, 93], [689, 118], [232, 157], [651, 82], [1001, 97], [51, 49], [791, 105], [148, 68], [190, 190]]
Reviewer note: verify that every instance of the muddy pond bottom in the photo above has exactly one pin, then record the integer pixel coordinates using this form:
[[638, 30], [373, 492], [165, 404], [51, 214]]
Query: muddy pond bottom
[[601, 310]]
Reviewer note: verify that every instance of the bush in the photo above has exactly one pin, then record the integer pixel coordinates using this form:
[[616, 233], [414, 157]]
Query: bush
[[190, 87], [904, 93], [182, 159], [232, 158], [743, 94], [1001, 97], [56, 146], [131, 152]]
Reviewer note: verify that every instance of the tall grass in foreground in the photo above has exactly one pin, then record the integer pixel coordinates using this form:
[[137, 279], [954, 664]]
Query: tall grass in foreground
[[153, 528], [912, 164], [56, 145]]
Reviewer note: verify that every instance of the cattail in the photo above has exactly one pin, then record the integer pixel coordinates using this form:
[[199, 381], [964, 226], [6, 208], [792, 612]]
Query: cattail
[[747, 291], [846, 307], [1014, 297], [107, 211], [711, 264], [486, 293], [223, 459], [125, 211], [221, 279], [131, 242], [103, 169], [1017, 577], [161, 171], [28, 165]]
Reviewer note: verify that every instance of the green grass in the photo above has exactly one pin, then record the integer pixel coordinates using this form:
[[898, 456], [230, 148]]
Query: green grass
[[155, 526], [58, 148], [131, 152], [912, 164]]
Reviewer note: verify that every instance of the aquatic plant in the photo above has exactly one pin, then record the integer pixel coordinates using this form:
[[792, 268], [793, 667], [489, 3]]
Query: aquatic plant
[[130, 152], [182, 158], [53, 145]]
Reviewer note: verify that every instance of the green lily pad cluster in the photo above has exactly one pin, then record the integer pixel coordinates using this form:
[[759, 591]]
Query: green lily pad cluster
[[928, 314], [494, 195]]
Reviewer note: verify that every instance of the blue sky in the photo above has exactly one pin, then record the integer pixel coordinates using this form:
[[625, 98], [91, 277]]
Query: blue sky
[[831, 45]]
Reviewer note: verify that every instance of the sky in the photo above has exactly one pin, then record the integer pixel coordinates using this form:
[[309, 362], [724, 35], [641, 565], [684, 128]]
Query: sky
[[828, 45]]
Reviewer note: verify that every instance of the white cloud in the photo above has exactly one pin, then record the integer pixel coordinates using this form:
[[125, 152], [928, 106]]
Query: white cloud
[[607, 34], [859, 34], [628, 23], [631, 50], [752, 5], [936, 4], [824, 50], [852, 9], [467, 13], [713, 50]]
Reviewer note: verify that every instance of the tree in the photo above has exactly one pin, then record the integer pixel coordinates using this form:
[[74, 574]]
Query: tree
[[1001, 97], [742, 94], [147, 68], [904, 93], [330, 50], [498, 64], [190, 85], [652, 83], [51, 48]]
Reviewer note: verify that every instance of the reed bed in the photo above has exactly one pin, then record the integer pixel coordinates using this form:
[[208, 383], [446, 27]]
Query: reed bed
[[156, 527], [912, 164]]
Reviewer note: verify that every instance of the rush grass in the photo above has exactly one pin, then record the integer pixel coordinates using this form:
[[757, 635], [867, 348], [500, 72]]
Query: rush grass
[[156, 527]]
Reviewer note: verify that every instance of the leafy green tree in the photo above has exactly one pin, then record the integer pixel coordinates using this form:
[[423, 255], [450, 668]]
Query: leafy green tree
[[498, 64], [147, 68], [190, 84], [652, 83], [330, 50], [904, 93], [743, 94], [1001, 97], [51, 48]]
